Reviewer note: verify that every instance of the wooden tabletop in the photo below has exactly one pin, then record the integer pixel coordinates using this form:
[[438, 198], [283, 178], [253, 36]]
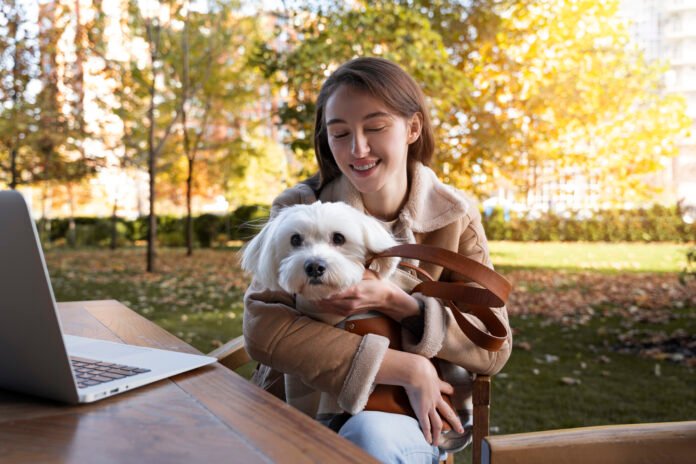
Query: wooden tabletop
[[207, 415]]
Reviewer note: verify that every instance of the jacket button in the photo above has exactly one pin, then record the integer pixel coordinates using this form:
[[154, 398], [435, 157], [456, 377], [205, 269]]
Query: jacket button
[[351, 326]]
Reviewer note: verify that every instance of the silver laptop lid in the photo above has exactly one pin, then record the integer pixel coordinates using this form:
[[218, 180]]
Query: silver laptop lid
[[33, 358]]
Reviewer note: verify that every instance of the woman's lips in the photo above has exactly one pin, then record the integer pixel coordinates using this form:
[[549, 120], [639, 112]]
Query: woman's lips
[[365, 168]]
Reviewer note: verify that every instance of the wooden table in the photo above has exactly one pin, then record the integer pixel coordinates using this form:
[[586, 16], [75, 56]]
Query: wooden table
[[208, 415]]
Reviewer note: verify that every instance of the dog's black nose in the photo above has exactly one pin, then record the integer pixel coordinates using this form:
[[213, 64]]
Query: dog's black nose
[[315, 267]]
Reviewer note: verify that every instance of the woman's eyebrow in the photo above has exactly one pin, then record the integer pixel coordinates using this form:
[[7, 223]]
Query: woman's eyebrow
[[376, 114]]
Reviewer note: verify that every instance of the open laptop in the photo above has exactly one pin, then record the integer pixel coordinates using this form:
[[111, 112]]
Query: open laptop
[[35, 356]]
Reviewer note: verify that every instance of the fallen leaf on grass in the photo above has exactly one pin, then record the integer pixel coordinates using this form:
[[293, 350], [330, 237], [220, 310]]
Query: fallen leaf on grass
[[525, 346]]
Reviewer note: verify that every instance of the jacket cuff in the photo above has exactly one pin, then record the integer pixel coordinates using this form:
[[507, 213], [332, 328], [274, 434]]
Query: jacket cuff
[[434, 329], [360, 380]]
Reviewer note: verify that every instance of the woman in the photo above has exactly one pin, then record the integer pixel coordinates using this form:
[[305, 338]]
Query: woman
[[373, 143]]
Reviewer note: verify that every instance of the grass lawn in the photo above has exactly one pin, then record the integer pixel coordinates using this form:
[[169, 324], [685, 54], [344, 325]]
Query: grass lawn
[[601, 257], [604, 334]]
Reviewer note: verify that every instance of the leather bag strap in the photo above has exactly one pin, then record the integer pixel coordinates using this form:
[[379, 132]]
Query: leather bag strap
[[478, 301]]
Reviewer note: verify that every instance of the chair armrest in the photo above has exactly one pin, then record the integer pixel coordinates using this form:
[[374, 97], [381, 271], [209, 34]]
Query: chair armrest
[[232, 354], [667, 442]]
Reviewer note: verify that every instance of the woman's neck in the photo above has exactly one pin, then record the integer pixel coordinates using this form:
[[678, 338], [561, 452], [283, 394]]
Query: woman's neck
[[387, 202]]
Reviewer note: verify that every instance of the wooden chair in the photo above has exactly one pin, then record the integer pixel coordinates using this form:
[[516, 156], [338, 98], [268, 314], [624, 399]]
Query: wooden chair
[[233, 355]]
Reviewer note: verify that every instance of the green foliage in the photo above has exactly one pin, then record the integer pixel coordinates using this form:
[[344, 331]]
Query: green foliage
[[19, 57], [206, 227], [323, 40], [654, 224], [170, 231], [518, 88], [42, 133], [209, 229], [245, 221], [689, 272]]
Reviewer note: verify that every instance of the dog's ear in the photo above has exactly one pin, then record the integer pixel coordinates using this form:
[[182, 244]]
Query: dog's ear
[[257, 256], [377, 239]]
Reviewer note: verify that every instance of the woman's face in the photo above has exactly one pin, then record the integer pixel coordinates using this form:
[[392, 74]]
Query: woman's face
[[369, 142]]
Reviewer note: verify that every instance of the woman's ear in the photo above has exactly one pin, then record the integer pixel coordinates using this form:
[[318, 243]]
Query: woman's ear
[[415, 126], [377, 239]]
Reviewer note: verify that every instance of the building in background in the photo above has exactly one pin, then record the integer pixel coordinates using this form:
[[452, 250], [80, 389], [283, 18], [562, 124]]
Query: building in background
[[666, 31]]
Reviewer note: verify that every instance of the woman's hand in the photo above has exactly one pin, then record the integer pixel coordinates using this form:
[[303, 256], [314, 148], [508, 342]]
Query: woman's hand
[[371, 293], [424, 388]]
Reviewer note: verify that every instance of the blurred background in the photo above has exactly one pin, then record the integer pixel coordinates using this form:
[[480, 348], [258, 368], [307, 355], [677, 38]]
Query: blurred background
[[151, 136]]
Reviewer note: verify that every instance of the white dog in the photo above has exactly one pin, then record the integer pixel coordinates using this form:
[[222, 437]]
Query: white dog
[[317, 250]]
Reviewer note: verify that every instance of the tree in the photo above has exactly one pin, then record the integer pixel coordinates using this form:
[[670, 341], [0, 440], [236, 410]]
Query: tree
[[558, 89], [320, 40], [524, 92], [217, 88], [144, 92], [18, 67], [58, 114]]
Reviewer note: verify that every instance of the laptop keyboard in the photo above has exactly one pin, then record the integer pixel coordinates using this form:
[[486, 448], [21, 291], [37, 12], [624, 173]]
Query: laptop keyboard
[[89, 372]]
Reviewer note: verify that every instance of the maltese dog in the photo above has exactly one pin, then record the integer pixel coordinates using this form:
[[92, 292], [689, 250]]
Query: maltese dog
[[318, 250]]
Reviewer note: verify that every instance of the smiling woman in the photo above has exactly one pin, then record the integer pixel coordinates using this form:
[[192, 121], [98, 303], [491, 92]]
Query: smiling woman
[[373, 142]]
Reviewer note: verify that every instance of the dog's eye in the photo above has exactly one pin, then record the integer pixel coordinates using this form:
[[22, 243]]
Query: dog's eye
[[338, 239], [296, 240]]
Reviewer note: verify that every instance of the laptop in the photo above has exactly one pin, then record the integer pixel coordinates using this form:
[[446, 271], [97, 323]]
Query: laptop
[[35, 356]]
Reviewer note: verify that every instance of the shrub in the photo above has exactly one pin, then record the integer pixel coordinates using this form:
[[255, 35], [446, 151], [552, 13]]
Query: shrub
[[206, 227], [658, 223], [244, 221]]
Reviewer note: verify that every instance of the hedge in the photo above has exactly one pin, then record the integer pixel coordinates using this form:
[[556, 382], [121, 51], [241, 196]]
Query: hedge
[[209, 230], [654, 224]]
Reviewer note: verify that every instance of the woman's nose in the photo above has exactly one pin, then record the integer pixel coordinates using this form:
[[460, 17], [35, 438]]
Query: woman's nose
[[359, 147]]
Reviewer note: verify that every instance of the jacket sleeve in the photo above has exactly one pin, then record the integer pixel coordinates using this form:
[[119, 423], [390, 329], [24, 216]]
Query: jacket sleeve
[[442, 337], [325, 358]]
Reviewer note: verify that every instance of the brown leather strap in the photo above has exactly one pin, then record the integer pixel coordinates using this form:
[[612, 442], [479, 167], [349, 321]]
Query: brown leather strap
[[389, 398], [478, 301]]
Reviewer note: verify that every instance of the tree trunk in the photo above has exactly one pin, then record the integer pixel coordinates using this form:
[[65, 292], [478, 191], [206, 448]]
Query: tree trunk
[[14, 178], [187, 145], [45, 223], [114, 223], [189, 216], [71, 220], [152, 219]]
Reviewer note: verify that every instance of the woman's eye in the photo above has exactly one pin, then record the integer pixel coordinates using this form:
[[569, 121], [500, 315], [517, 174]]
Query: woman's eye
[[339, 135], [374, 129], [296, 240], [338, 239]]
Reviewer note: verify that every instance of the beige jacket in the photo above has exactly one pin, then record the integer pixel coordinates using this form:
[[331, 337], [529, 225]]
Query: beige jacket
[[317, 357]]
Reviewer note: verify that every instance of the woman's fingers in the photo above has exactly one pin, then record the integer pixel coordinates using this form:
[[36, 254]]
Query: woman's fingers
[[450, 415], [446, 388], [425, 426], [436, 424]]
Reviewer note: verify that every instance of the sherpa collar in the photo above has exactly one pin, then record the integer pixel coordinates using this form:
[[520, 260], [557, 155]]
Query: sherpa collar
[[431, 204]]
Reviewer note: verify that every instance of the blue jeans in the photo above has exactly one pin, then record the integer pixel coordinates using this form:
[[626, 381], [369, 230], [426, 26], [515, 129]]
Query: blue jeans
[[391, 438]]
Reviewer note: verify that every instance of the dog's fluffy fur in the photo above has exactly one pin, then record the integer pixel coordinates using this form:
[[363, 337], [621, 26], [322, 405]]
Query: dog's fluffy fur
[[317, 250]]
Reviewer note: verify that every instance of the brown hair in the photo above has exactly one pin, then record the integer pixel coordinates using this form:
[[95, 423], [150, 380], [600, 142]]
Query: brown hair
[[389, 83]]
